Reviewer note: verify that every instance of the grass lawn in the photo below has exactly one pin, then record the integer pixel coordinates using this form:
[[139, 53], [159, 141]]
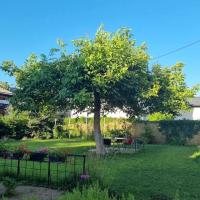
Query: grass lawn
[[157, 172], [74, 145]]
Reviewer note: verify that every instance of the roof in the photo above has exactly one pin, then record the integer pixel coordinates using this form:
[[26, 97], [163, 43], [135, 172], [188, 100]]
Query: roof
[[195, 102], [5, 92]]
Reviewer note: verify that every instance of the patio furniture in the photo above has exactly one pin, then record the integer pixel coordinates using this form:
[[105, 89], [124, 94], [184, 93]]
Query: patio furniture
[[107, 141]]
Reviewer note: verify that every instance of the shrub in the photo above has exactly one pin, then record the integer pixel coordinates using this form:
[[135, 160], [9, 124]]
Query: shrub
[[58, 132], [10, 185], [82, 127], [2, 147], [179, 131], [157, 116], [196, 156], [147, 136], [93, 193], [14, 125], [45, 135], [119, 133]]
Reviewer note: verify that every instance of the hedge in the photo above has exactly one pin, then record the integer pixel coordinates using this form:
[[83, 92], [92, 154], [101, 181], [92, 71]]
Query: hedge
[[179, 131]]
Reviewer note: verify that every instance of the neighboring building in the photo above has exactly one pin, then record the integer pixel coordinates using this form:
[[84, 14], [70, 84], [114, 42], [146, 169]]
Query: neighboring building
[[4, 102], [194, 113], [117, 114]]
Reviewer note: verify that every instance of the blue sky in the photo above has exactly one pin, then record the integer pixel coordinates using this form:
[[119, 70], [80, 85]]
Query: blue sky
[[34, 25]]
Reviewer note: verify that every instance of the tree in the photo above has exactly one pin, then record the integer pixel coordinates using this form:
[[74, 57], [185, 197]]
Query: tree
[[172, 94], [157, 116], [103, 73], [4, 85]]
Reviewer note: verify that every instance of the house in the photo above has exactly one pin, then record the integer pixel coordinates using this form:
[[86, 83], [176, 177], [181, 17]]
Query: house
[[4, 100], [194, 113]]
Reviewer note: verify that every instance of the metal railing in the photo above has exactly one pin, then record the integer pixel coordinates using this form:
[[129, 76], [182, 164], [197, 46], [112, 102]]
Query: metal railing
[[49, 171]]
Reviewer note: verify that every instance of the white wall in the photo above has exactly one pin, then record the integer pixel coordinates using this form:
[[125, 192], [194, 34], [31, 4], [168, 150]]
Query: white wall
[[193, 114], [116, 114], [196, 113], [6, 102], [185, 115]]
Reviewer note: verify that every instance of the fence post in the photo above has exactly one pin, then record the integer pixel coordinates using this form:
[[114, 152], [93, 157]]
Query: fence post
[[18, 167], [49, 171], [84, 157], [135, 145]]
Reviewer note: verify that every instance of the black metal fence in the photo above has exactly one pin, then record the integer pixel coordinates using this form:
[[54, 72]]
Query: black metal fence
[[50, 171]]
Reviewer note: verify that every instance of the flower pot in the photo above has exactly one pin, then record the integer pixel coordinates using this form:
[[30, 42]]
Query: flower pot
[[37, 156]]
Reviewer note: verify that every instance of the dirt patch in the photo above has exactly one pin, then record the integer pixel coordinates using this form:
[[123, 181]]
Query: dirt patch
[[39, 193]]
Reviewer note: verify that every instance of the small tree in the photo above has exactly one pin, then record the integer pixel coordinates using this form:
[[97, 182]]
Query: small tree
[[106, 73]]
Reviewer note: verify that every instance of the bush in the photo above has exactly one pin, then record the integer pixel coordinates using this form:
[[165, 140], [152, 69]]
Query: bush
[[196, 156], [82, 127], [59, 133], [179, 131], [93, 193], [157, 116], [10, 185], [147, 136], [42, 135], [119, 133], [14, 125]]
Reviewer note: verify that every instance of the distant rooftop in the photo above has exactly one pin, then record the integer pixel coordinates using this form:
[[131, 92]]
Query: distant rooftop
[[195, 102], [5, 92]]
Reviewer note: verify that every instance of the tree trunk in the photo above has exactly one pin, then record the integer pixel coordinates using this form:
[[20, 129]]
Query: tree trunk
[[100, 149]]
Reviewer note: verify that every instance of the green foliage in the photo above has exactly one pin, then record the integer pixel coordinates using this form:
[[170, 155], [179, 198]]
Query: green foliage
[[59, 133], [177, 195], [21, 124], [77, 127], [46, 135], [173, 93], [10, 185], [92, 193], [157, 116], [159, 170], [106, 72], [179, 131], [30, 198], [14, 125], [119, 133], [4, 85], [196, 156], [2, 146], [147, 136]]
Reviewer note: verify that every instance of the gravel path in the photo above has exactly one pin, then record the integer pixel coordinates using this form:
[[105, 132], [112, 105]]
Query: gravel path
[[39, 193]]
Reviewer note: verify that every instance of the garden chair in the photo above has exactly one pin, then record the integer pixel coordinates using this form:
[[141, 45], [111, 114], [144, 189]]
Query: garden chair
[[134, 143]]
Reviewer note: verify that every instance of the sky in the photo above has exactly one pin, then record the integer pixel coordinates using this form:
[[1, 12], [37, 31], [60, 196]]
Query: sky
[[33, 26]]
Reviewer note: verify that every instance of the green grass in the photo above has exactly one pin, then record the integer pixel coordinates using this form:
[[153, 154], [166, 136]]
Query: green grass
[[41, 169], [158, 170], [74, 145]]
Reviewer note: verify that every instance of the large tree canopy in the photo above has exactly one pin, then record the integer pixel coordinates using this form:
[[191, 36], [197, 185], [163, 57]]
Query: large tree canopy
[[103, 73]]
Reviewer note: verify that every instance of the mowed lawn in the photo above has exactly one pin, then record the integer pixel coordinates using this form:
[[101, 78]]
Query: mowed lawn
[[77, 146], [156, 173]]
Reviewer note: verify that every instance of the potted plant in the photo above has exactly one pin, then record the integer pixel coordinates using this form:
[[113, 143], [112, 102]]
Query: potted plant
[[39, 155]]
